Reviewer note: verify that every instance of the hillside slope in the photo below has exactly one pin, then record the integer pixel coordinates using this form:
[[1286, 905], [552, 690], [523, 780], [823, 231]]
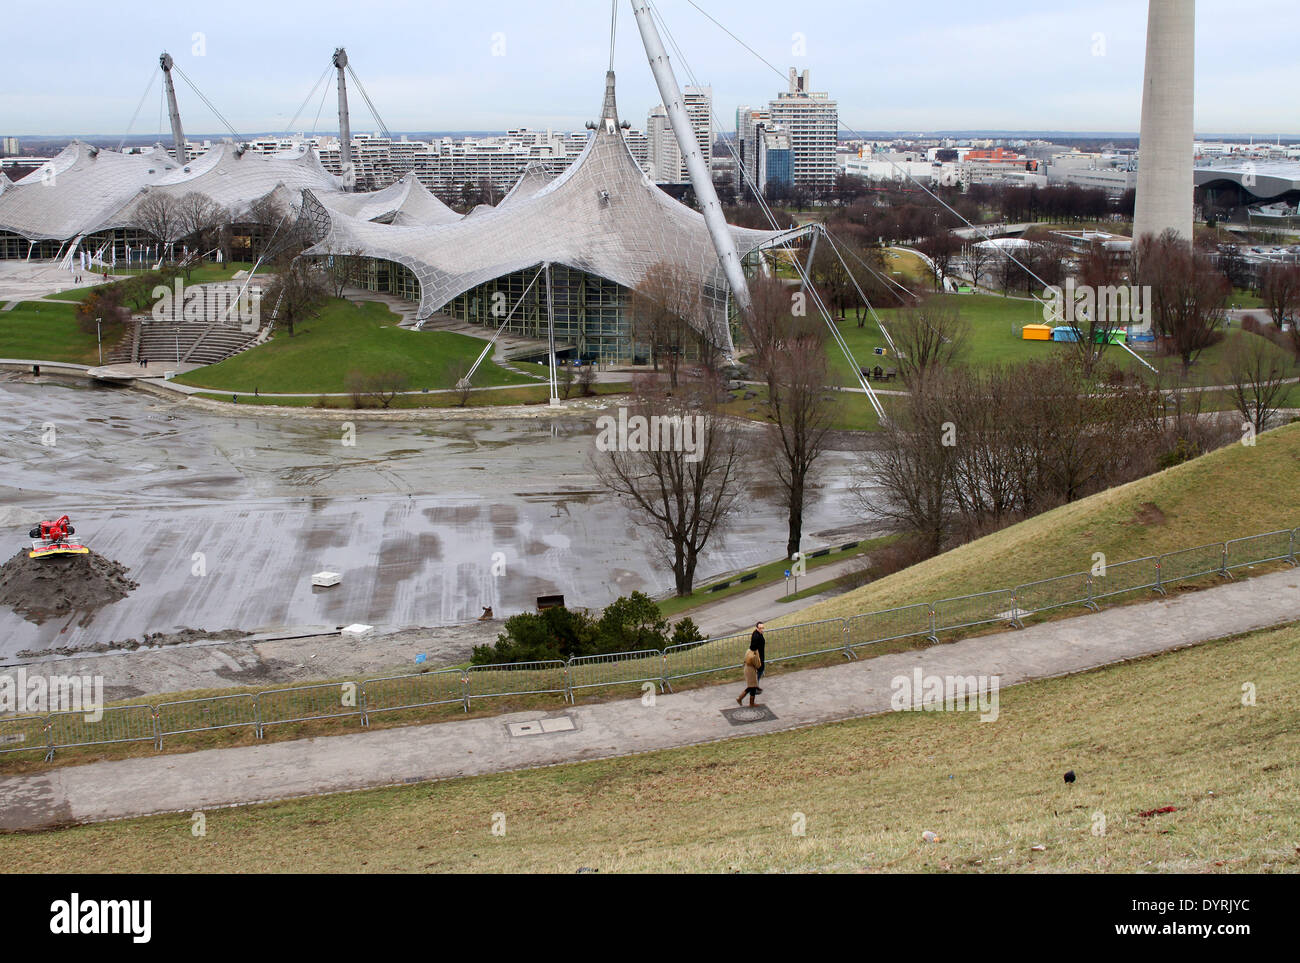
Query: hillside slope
[[1229, 493]]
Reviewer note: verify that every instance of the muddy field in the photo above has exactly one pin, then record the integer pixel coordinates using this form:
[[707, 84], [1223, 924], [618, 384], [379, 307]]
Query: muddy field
[[223, 520]]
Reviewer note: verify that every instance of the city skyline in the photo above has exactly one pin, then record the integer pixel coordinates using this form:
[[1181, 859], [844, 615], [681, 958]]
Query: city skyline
[[529, 69]]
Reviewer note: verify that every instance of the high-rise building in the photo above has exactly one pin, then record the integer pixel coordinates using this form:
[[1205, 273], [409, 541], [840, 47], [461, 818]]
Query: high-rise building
[[812, 122], [775, 159], [698, 102], [9, 147], [663, 155], [1166, 146], [750, 123]]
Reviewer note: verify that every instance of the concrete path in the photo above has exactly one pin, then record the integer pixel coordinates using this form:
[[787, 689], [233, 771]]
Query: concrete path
[[225, 777], [739, 612]]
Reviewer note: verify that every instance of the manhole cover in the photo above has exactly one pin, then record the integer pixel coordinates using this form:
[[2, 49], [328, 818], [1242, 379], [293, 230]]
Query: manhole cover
[[748, 714], [539, 727]]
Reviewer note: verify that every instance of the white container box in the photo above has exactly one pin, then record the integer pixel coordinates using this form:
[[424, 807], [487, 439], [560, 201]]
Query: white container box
[[325, 579]]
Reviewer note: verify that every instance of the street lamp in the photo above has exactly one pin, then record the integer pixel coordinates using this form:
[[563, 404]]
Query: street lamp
[[99, 341]]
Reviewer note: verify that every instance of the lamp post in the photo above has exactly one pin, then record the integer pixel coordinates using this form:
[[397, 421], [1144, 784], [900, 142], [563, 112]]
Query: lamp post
[[99, 341]]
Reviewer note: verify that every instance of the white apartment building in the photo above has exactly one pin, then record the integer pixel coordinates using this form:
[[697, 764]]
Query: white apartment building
[[812, 122], [664, 155], [750, 123]]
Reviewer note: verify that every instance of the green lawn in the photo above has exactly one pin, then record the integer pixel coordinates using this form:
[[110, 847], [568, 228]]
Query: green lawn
[[995, 338], [206, 274], [1165, 731], [528, 394], [851, 410], [49, 332], [362, 336]]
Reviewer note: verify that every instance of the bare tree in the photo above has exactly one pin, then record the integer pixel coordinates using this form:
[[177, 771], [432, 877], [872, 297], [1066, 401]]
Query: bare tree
[[297, 293], [199, 219], [383, 387], [458, 376], [268, 218], [765, 324], [1104, 275], [344, 269], [685, 493], [158, 215], [940, 247], [1187, 294], [1256, 378], [928, 335], [980, 259], [565, 378], [1279, 286], [587, 379], [912, 473], [801, 408], [668, 313]]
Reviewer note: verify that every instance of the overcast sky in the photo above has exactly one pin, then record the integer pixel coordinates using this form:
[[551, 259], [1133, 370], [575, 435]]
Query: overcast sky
[[74, 67]]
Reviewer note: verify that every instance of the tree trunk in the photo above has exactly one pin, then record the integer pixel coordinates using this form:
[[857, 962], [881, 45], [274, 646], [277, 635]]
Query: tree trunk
[[795, 519]]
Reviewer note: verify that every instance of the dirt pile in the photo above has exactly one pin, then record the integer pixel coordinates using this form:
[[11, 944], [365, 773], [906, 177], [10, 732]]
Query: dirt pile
[[44, 588]]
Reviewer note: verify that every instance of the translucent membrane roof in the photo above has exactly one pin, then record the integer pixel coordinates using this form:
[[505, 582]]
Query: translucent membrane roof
[[80, 191], [602, 216]]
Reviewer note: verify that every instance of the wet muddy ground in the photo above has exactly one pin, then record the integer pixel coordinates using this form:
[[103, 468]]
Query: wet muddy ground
[[222, 521]]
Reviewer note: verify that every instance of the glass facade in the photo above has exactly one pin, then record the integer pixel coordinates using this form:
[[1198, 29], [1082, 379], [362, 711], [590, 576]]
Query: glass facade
[[389, 277], [590, 311], [15, 247]]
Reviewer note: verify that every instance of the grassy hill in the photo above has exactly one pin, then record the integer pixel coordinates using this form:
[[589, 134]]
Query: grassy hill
[[347, 336], [42, 331], [1164, 731], [1230, 493]]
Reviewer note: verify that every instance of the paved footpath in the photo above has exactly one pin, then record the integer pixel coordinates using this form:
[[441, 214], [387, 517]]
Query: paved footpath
[[224, 777]]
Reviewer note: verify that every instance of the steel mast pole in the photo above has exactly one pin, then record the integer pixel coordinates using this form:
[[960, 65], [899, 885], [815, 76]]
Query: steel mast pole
[[701, 179], [178, 135], [345, 128]]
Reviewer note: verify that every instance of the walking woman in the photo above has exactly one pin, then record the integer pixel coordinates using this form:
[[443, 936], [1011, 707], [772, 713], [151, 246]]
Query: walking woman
[[753, 662]]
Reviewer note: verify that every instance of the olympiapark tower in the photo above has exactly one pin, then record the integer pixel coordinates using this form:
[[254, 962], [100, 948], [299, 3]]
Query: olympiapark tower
[[1164, 184]]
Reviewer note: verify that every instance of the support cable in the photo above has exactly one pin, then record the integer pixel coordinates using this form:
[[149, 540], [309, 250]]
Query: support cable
[[369, 103], [153, 76], [501, 327]]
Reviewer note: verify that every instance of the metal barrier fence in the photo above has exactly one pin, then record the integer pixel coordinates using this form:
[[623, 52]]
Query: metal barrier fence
[[24, 734], [396, 692], [117, 724], [965, 611], [1257, 549], [202, 715], [616, 668], [690, 659], [1191, 563], [1134, 575], [362, 699], [888, 625], [517, 678], [805, 639], [304, 703], [1054, 593]]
